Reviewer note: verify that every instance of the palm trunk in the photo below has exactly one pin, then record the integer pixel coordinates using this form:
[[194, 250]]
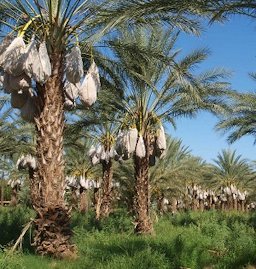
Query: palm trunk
[[2, 194], [142, 196], [160, 203], [230, 203], [33, 182], [105, 206], [52, 230], [243, 205], [201, 205], [174, 205], [97, 202], [235, 204], [84, 205], [73, 202], [194, 203], [14, 196]]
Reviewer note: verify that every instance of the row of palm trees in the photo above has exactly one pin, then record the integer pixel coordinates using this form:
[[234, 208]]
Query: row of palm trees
[[180, 181], [145, 84]]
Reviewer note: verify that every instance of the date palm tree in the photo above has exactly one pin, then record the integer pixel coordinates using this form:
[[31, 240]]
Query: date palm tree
[[231, 170], [79, 166], [102, 134], [171, 175], [160, 89], [241, 119]]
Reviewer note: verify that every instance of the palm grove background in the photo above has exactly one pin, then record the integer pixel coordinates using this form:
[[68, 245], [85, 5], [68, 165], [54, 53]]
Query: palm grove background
[[69, 153]]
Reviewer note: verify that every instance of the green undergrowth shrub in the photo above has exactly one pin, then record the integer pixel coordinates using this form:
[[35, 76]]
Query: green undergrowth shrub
[[11, 261], [187, 240], [224, 239], [12, 221], [118, 222]]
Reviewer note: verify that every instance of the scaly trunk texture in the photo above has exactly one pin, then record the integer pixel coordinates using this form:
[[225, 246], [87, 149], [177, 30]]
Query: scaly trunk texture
[[2, 194], [230, 203], [84, 205], [73, 199], [143, 224], [34, 187], [106, 197], [235, 204], [14, 196], [174, 205], [201, 205], [52, 229], [243, 206], [160, 203], [97, 201]]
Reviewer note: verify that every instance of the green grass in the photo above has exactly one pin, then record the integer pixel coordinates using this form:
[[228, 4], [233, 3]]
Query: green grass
[[190, 240]]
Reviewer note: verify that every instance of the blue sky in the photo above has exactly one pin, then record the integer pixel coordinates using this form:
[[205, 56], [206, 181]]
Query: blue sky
[[232, 46]]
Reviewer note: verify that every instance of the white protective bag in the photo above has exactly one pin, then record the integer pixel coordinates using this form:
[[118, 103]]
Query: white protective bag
[[33, 67], [140, 148], [16, 83], [14, 58], [1, 80], [161, 139], [28, 111], [92, 151], [68, 104], [18, 99], [84, 183], [95, 160], [37, 64], [74, 65], [133, 137], [70, 93], [45, 61], [4, 45], [119, 143], [103, 155], [112, 152], [90, 86]]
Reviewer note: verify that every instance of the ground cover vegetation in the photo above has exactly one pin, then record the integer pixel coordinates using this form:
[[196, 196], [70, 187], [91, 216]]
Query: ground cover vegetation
[[186, 240]]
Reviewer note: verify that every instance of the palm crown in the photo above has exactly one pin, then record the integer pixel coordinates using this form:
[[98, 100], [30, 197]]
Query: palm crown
[[162, 87]]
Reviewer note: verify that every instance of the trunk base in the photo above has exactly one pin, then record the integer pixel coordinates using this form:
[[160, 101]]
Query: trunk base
[[105, 208], [144, 227], [52, 233]]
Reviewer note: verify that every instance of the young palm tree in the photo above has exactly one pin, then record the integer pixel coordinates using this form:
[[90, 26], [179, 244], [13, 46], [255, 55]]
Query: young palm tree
[[78, 165], [175, 172], [231, 170], [160, 88], [106, 133], [101, 150]]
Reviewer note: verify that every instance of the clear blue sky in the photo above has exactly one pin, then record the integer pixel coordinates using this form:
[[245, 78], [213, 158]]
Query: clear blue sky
[[233, 46]]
